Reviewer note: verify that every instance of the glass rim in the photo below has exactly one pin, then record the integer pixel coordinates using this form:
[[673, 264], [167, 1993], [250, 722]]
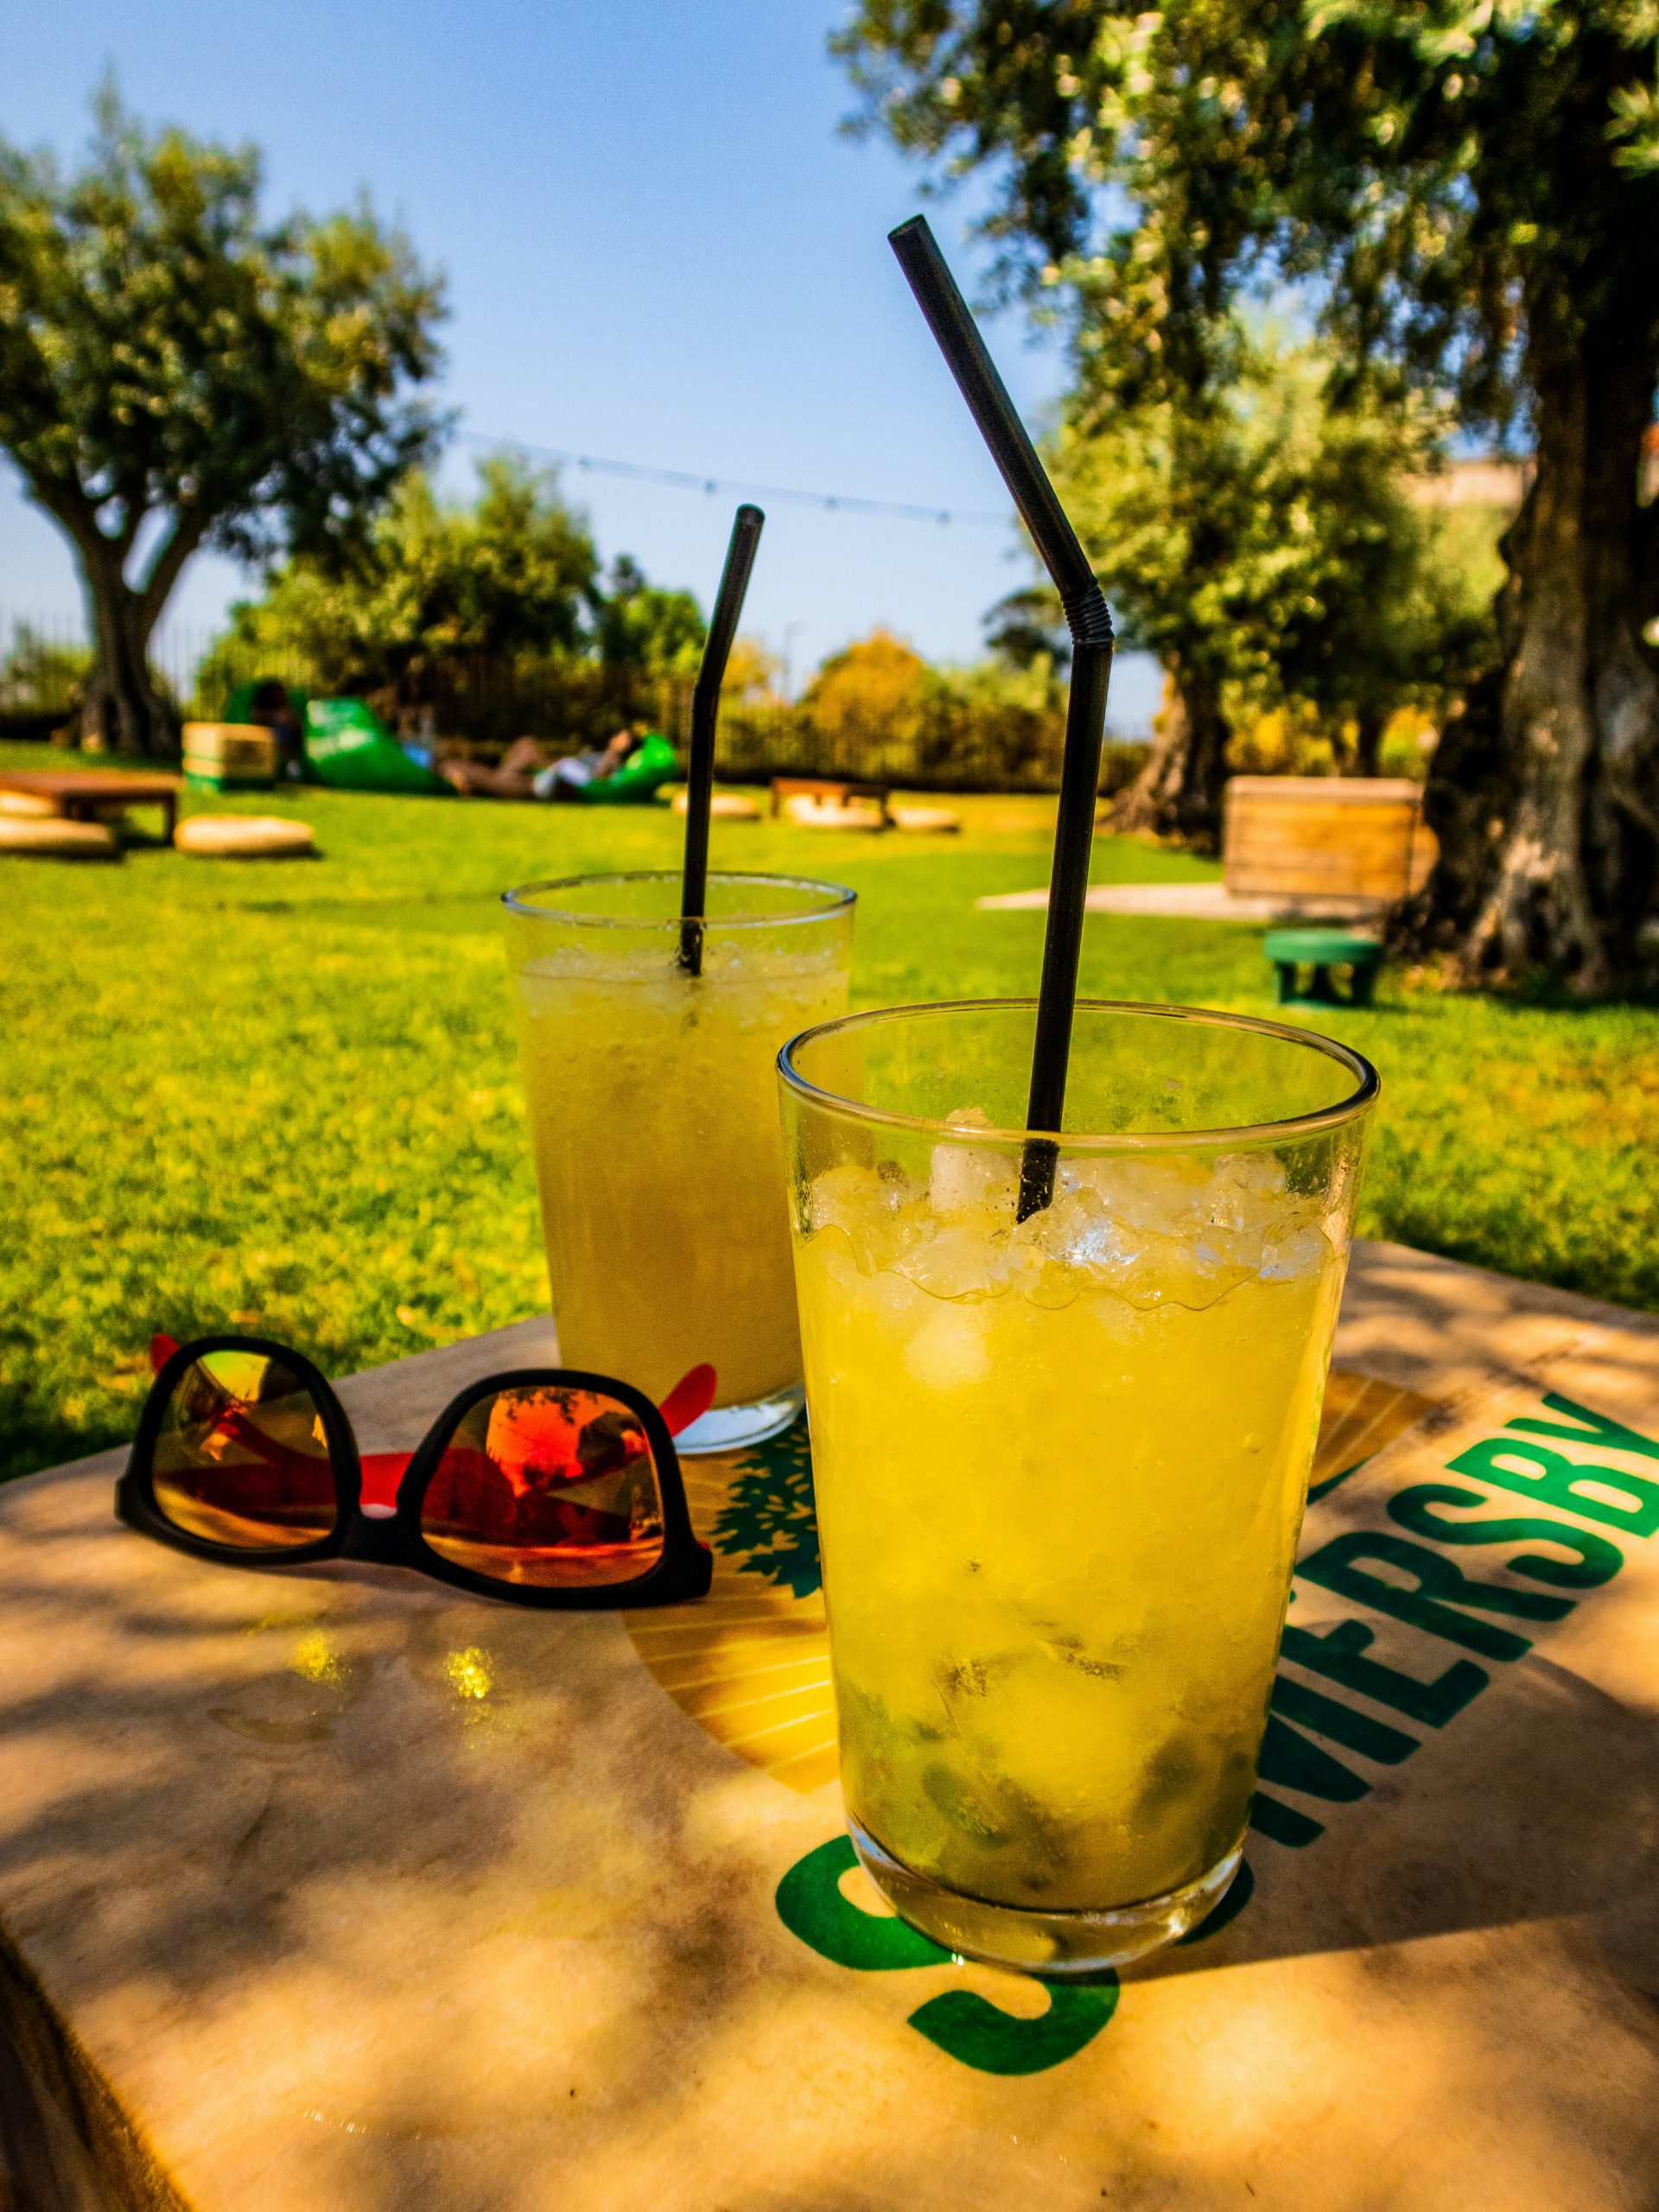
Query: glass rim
[[1297, 1125], [520, 900]]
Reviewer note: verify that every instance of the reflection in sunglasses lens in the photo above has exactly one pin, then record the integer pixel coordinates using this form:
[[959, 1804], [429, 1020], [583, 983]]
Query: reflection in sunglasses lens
[[242, 1457], [550, 1486]]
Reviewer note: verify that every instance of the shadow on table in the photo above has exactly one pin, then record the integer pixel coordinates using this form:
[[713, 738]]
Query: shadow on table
[[1539, 1804], [400, 1881]]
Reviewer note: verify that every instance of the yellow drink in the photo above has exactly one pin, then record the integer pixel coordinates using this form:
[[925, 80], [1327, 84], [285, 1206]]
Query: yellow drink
[[1060, 1467], [653, 1117]]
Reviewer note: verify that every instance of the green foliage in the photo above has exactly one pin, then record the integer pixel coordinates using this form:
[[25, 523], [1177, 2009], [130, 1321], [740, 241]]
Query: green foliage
[[1269, 535], [753, 676], [1469, 196], [877, 709], [169, 358], [1476, 184], [40, 674], [1244, 501], [483, 621], [162, 349], [644, 629], [867, 699], [284, 1095], [1449, 170], [509, 576]]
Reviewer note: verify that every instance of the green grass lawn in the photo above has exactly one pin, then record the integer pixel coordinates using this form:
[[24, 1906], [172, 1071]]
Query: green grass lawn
[[283, 1095]]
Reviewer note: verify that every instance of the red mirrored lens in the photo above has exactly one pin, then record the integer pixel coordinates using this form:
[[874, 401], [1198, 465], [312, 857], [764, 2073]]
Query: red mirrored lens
[[551, 1486], [242, 1458]]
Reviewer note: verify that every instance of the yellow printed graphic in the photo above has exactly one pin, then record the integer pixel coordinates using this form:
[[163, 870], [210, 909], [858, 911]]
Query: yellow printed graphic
[[1361, 1415], [750, 1662]]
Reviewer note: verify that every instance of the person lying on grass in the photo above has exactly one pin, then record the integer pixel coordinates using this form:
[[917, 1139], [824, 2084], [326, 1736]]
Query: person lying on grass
[[526, 771]]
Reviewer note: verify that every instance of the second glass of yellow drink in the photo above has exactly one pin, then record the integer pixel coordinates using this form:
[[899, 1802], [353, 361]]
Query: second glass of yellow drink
[[654, 1116], [1061, 1449]]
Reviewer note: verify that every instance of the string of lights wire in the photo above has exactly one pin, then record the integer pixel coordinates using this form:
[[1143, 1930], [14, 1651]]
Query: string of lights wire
[[686, 480]]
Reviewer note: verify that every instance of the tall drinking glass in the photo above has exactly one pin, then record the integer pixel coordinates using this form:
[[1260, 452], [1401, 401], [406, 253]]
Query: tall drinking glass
[[653, 1115], [1061, 1463]]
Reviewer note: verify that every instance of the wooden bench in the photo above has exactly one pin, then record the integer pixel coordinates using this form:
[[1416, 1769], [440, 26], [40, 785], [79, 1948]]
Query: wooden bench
[[88, 794]]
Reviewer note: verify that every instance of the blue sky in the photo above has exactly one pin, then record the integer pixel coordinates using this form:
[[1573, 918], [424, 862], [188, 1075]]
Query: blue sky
[[658, 247]]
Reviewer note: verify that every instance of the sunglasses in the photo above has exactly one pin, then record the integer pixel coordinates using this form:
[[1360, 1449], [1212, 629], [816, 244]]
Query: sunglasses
[[545, 1486]]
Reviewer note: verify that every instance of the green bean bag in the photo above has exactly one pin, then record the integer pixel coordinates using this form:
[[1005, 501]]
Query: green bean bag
[[640, 781], [351, 749]]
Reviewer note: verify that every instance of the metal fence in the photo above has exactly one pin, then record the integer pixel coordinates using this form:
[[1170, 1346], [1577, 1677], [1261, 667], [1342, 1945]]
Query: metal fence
[[943, 742], [44, 657]]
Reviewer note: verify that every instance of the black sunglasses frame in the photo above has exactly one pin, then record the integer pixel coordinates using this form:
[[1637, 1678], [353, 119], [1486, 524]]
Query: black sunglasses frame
[[683, 1571]]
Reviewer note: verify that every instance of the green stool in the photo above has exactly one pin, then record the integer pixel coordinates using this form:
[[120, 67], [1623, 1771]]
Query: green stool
[[1291, 950]]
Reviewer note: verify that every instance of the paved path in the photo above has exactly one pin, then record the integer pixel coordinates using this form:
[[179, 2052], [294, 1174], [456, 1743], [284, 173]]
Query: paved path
[[1209, 902]]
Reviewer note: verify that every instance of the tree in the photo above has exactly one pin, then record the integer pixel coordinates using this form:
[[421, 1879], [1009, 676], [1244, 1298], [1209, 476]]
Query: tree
[[485, 620], [866, 699], [41, 676], [753, 676], [1473, 191], [514, 574], [1242, 502], [1481, 188], [641, 629], [1097, 151], [175, 373], [1267, 551]]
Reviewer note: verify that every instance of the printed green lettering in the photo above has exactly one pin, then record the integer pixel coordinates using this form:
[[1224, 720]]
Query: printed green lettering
[[1547, 1478], [1335, 1653], [960, 2023], [1373, 1739], [983, 2035], [1592, 1428], [1440, 1589], [1597, 1559], [811, 1905], [1283, 1822], [1293, 1763]]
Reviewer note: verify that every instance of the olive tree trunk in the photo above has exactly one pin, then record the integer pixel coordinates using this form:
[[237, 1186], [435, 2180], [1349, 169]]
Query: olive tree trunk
[[1179, 792], [121, 710], [1545, 793], [1370, 723]]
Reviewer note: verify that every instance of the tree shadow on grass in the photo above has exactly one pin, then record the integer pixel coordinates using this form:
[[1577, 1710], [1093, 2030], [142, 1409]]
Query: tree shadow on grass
[[35, 1434]]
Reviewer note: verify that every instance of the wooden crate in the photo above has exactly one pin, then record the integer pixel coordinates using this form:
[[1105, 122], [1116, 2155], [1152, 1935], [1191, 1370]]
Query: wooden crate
[[229, 756], [1324, 844]]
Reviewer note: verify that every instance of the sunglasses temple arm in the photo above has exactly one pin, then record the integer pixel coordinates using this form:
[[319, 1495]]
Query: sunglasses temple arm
[[381, 1473], [689, 1399]]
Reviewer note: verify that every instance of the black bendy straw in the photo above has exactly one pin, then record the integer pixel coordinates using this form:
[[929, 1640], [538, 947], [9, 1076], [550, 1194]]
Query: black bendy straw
[[1090, 624], [747, 525]]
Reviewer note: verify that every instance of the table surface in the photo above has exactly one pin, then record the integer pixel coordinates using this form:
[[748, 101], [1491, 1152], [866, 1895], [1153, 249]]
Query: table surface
[[90, 783], [337, 1891]]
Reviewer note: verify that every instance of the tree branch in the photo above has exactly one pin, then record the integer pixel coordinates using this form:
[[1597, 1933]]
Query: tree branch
[[67, 504], [190, 526]]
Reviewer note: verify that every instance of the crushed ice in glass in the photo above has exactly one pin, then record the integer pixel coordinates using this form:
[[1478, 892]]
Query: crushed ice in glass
[[1153, 1229]]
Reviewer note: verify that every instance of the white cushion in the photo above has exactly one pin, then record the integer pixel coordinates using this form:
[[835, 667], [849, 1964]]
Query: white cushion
[[242, 837], [88, 841]]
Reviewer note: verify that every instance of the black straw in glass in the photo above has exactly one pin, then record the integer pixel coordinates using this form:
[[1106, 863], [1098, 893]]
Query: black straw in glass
[[747, 525], [1090, 624]]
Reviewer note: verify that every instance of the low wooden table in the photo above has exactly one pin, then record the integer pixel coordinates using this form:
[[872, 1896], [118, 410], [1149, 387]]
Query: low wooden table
[[337, 1891], [787, 787], [87, 794]]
